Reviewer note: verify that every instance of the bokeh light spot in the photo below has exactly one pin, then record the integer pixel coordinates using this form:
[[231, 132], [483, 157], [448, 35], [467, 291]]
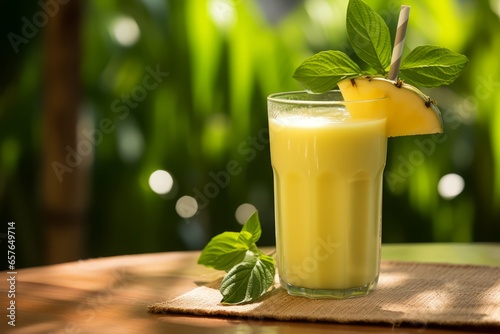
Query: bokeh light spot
[[125, 30], [451, 185], [243, 212], [161, 182], [186, 206], [130, 141], [222, 12]]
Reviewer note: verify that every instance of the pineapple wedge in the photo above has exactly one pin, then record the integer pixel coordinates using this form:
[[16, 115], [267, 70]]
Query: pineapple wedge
[[408, 111]]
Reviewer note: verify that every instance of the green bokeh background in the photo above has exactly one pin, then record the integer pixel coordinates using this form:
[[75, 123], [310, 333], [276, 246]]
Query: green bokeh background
[[223, 57]]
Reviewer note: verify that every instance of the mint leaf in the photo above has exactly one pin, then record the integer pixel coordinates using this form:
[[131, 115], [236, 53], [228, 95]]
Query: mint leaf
[[432, 66], [369, 35], [253, 227], [248, 280], [324, 70], [246, 238], [250, 272], [428, 66], [224, 251]]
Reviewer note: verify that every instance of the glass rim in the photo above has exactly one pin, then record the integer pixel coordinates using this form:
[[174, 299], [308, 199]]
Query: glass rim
[[275, 97]]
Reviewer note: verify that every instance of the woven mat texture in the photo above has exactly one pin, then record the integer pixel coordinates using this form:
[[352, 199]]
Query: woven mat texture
[[423, 293]]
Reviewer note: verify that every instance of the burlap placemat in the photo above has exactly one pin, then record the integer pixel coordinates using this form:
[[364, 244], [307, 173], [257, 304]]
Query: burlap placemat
[[433, 294]]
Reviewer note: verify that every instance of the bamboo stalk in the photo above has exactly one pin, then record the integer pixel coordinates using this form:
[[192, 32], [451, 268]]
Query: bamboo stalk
[[64, 182]]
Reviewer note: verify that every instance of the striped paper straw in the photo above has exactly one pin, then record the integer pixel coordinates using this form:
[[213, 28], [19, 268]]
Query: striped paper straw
[[399, 42]]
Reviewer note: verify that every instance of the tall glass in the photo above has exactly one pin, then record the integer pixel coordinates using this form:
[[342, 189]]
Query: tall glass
[[328, 169]]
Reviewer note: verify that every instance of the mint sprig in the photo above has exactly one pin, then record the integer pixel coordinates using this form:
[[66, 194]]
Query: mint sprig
[[248, 281], [324, 70], [369, 36], [427, 66], [250, 273]]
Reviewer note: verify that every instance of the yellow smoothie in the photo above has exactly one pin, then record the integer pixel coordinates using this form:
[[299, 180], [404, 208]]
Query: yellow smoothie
[[328, 194]]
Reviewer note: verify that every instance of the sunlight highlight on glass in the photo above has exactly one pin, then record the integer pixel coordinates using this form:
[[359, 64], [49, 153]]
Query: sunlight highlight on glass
[[125, 31], [243, 212], [161, 182], [186, 206], [450, 186]]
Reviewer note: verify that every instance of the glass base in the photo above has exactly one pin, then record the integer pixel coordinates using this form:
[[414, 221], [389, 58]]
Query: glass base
[[328, 293]]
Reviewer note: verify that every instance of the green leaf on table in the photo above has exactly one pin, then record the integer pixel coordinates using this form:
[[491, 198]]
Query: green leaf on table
[[250, 272], [369, 35], [248, 281], [224, 251], [253, 227], [324, 70], [432, 66]]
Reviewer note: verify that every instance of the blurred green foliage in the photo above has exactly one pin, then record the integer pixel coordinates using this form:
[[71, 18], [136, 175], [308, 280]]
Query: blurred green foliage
[[220, 59]]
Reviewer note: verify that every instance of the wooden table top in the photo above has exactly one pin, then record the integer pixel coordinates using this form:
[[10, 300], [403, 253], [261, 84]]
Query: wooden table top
[[110, 295]]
